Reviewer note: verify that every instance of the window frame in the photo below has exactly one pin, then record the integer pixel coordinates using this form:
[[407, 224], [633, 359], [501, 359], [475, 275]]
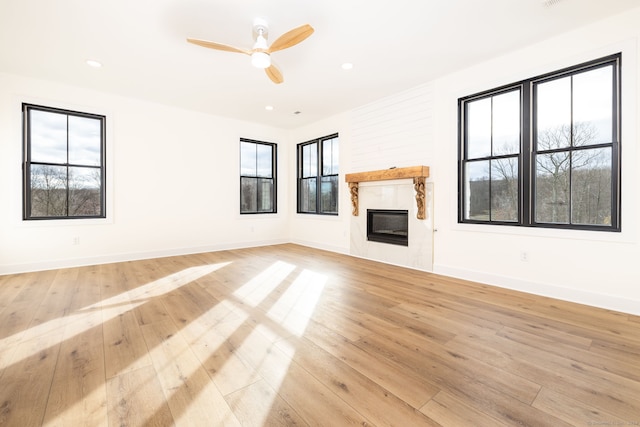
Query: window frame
[[526, 203], [27, 163], [273, 178], [319, 167]]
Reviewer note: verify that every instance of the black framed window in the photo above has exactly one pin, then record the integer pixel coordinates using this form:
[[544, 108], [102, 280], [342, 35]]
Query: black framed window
[[64, 164], [257, 177], [318, 175], [544, 152]]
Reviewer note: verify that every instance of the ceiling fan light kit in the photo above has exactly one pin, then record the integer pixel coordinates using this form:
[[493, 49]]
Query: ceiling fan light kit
[[261, 52], [260, 60]]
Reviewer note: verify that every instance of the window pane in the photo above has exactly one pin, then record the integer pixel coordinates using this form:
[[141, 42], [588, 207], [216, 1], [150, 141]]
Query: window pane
[[257, 180], [308, 195], [592, 107], [591, 187], [248, 165], [248, 195], [326, 157], [317, 176], [504, 189], [48, 191], [329, 194], [84, 141], [85, 189], [477, 191], [64, 163], [479, 128], [335, 155], [309, 160], [265, 160], [265, 195], [552, 188], [330, 156], [553, 114], [506, 123], [48, 137]]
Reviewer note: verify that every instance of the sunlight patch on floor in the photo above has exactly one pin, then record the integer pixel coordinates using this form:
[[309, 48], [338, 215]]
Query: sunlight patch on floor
[[254, 333], [105, 310], [161, 286], [296, 306], [209, 333], [257, 289]]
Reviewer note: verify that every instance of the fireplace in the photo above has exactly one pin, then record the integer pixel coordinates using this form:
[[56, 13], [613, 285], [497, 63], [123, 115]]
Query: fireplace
[[393, 189], [388, 226]]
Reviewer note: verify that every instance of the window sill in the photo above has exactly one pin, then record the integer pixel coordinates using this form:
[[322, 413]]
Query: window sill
[[583, 235]]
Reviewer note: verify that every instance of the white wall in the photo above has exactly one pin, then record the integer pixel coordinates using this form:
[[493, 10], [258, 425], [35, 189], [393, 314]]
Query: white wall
[[173, 183], [393, 132]]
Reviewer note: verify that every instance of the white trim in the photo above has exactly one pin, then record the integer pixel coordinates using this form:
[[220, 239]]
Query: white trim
[[131, 256], [610, 302], [317, 245]]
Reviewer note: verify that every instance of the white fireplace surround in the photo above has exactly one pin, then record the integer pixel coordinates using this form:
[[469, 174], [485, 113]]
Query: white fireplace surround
[[394, 194]]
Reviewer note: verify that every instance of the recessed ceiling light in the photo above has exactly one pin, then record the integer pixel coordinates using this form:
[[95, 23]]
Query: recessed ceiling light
[[347, 66], [93, 63], [269, 107]]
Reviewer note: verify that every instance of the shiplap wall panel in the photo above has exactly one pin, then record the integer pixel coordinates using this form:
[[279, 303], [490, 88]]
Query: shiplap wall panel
[[394, 131]]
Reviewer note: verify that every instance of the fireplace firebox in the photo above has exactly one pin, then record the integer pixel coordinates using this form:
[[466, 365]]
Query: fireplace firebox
[[388, 226]]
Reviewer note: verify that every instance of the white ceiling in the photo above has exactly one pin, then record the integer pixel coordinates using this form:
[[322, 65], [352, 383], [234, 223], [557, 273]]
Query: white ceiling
[[394, 45]]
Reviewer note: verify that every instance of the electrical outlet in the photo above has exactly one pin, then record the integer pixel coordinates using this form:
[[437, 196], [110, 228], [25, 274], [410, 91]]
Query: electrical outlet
[[76, 240], [524, 256]]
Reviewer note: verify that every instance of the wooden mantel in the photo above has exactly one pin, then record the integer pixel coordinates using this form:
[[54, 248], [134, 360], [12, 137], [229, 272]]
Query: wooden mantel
[[417, 173], [386, 174]]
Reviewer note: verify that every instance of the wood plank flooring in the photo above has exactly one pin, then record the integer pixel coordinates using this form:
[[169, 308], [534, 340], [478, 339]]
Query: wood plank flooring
[[291, 336]]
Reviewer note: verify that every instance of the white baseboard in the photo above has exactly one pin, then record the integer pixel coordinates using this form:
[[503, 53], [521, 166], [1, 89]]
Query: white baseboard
[[131, 256], [609, 302], [344, 251], [315, 245]]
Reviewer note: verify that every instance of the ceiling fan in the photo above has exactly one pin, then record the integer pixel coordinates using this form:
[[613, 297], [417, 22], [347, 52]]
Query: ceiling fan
[[261, 52]]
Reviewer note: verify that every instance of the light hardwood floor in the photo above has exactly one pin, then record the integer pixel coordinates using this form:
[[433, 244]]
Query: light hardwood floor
[[287, 335]]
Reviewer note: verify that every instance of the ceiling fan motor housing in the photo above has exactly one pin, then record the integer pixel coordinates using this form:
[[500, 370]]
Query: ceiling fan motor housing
[[260, 28]]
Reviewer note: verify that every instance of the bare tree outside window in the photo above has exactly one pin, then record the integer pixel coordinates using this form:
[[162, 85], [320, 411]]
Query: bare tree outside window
[[48, 191], [504, 181], [572, 186]]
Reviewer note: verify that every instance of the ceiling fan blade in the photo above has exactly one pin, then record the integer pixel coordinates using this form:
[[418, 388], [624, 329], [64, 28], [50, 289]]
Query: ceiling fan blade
[[218, 46], [291, 38], [274, 74]]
